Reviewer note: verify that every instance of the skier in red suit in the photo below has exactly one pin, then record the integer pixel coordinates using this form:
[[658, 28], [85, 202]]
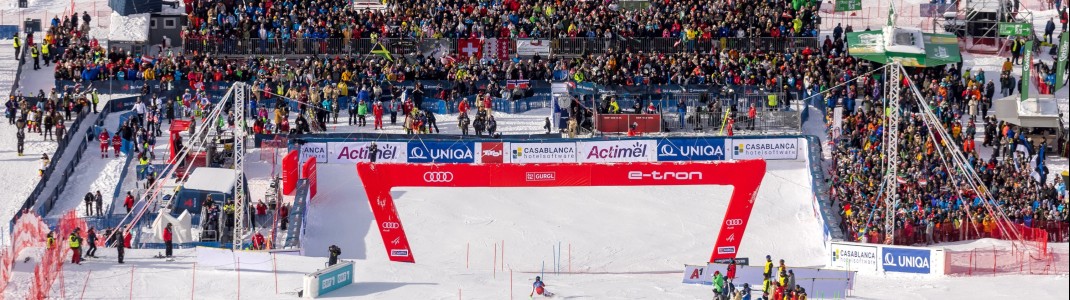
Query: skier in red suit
[[104, 138]]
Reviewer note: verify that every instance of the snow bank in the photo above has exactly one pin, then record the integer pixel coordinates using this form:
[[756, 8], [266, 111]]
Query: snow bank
[[132, 28]]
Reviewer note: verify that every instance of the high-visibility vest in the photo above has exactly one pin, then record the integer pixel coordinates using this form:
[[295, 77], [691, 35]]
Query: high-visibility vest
[[44, 49], [16, 44], [75, 243], [33, 52]]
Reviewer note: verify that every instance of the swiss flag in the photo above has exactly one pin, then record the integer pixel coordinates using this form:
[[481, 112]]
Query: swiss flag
[[469, 48]]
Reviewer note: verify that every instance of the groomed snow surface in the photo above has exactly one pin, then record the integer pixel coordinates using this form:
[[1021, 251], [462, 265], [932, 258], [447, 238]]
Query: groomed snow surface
[[624, 243]]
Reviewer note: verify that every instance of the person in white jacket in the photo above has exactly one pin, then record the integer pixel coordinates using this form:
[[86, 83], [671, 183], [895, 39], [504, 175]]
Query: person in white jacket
[[139, 109]]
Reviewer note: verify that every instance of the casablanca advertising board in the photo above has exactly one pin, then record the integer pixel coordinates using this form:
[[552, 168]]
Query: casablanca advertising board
[[768, 149], [542, 152], [854, 257]]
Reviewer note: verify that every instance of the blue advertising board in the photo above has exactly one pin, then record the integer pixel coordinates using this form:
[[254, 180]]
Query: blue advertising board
[[441, 152], [335, 277], [905, 260], [691, 149]]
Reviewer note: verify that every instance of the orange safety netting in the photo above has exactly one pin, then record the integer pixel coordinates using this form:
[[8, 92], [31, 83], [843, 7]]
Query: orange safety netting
[[44, 275], [29, 231], [995, 261]]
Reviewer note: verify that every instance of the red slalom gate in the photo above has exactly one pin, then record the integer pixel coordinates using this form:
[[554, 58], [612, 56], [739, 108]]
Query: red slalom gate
[[744, 176]]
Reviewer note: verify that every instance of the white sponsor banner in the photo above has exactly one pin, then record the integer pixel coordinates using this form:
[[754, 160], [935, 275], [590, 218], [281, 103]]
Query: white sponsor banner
[[353, 152], [542, 153], [317, 150], [770, 149], [853, 257], [618, 151], [530, 47], [697, 275]]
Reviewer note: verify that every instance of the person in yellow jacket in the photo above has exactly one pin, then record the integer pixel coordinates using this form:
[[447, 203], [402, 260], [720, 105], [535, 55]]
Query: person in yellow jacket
[[17, 44], [35, 53], [76, 246], [782, 269], [44, 52], [50, 241], [768, 272]]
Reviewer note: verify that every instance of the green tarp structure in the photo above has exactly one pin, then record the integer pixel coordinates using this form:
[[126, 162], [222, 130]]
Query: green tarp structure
[[848, 5], [1060, 63], [940, 49], [1027, 63]]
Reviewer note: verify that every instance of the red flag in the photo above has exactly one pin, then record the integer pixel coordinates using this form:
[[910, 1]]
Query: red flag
[[469, 48]]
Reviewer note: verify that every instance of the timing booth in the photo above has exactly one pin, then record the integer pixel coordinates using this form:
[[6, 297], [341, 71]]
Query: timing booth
[[204, 183]]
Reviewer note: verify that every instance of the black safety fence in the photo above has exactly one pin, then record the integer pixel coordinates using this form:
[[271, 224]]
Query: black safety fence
[[698, 112]]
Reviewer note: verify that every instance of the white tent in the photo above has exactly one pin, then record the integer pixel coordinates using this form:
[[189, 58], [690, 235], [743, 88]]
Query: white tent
[[211, 180]]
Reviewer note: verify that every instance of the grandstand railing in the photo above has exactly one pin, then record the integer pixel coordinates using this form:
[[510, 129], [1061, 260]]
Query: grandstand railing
[[428, 46], [712, 114], [1038, 232]]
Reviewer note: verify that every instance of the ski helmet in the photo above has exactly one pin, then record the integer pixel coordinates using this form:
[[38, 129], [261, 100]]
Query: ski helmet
[[538, 278]]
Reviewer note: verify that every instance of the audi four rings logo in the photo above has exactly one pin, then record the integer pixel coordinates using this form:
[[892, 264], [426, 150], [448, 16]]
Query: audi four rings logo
[[391, 225], [733, 222], [438, 177]]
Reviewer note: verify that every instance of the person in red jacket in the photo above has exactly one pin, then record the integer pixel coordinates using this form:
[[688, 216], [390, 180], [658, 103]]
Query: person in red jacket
[[778, 291], [406, 108], [488, 105], [731, 272], [116, 143], [258, 241], [129, 202], [104, 138], [127, 237], [462, 107], [752, 114], [377, 111], [261, 213], [167, 240], [731, 123]]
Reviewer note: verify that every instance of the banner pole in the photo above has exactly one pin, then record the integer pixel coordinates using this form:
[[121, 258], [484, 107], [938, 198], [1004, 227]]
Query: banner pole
[[86, 284], [131, 281]]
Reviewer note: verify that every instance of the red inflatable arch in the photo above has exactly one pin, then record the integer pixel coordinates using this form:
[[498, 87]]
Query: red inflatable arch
[[743, 176]]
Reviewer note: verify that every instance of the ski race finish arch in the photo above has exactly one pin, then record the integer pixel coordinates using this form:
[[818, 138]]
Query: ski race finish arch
[[744, 176]]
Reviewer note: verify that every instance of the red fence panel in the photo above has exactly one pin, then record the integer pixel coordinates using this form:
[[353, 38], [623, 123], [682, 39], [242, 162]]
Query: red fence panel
[[289, 172], [308, 171]]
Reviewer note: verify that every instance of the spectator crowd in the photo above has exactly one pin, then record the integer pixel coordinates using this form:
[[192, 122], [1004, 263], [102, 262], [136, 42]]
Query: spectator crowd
[[936, 205]]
